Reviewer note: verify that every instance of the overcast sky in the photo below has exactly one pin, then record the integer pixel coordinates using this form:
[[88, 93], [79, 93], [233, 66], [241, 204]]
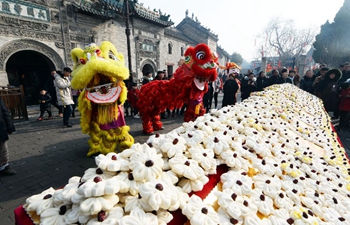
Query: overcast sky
[[239, 22]]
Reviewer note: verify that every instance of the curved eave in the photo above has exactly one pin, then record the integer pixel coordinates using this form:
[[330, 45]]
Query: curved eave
[[151, 18]]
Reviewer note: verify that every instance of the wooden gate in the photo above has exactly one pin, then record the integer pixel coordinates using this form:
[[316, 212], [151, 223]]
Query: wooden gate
[[14, 99]]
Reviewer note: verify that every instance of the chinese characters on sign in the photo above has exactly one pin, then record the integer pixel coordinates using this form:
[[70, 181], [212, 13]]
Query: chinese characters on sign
[[24, 9]]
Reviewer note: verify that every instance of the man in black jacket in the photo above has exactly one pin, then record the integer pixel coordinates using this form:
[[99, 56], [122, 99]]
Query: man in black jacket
[[6, 127]]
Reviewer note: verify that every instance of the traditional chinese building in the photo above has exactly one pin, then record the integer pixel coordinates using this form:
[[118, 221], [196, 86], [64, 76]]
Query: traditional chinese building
[[38, 35]]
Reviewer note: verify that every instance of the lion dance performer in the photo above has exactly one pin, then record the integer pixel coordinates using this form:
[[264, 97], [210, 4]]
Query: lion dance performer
[[99, 72], [188, 86]]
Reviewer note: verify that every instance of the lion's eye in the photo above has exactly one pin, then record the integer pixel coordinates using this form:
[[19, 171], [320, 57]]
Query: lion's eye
[[200, 55], [112, 56], [187, 59]]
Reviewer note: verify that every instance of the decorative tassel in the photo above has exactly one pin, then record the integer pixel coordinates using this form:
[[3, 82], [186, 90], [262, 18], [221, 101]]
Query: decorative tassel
[[107, 113]]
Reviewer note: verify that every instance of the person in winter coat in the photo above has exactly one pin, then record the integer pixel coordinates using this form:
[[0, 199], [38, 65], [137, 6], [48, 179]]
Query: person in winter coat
[[344, 105], [133, 97], [45, 104], [261, 81], [147, 78], [295, 78], [230, 89], [6, 128], [64, 95], [273, 78], [318, 79], [216, 88], [208, 97], [307, 81], [327, 90], [248, 86], [51, 89], [284, 78]]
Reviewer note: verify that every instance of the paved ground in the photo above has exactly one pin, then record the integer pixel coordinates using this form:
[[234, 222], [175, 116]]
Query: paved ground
[[46, 154]]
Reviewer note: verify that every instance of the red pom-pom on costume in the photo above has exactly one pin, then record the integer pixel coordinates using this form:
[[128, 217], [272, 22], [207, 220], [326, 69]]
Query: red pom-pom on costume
[[188, 86]]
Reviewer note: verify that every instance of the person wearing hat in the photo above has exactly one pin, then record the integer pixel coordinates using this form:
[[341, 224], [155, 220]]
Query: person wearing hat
[[148, 77], [64, 95], [327, 90], [319, 77], [230, 89], [133, 96], [160, 75]]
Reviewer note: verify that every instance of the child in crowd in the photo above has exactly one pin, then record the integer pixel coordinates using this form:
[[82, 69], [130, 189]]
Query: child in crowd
[[45, 104], [133, 96]]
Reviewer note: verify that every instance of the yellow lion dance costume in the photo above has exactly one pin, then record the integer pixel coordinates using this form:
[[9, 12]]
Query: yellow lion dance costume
[[99, 72]]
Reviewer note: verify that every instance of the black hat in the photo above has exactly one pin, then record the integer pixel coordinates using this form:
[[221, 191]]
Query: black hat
[[336, 72], [324, 69], [160, 71], [284, 70], [67, 69]]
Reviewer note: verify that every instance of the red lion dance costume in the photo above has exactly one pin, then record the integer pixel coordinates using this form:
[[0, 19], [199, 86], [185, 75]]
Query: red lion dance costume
[[188, 86]]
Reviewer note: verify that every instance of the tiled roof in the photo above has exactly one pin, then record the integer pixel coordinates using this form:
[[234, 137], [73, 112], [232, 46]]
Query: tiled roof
[[152, 16], [111, 8], [197, 25]]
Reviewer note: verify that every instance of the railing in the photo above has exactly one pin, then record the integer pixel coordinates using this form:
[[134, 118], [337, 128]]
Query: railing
[[13, 98]]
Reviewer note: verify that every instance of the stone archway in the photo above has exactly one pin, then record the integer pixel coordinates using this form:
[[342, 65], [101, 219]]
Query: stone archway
[[12, 47], [27, 62], [148, 66]]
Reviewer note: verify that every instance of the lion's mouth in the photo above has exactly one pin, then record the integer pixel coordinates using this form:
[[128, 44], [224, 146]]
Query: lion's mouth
[[200, 82], [105, 92], [103, 86]]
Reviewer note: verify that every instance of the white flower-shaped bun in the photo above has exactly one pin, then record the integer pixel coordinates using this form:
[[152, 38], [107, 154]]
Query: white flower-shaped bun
[[193, 137], [173, 147], [269, 185], [112, 162], [40, 202], [188, 168], [99, 187], [234, 160], [146, 165], [240, 183], [93, 205], [193, 185], [204, 127], [231, 202], [156, 140], [263, 202], [113, 216], [170, 176], [74, 216], [200, 214], [217, 143], [70, 189], [205, 157], [282, 201], [159, 194], [164, 217], [132, 184], [226, 219], [54, 216], [139, 217], [131, 202], [91, 173]]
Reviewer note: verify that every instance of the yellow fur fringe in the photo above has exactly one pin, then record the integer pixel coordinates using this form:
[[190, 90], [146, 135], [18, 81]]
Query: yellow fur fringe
[[107, 113]]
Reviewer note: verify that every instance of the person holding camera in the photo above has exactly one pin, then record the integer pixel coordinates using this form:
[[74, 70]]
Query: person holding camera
[[248, 86], [64, 95], [6, 128]]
